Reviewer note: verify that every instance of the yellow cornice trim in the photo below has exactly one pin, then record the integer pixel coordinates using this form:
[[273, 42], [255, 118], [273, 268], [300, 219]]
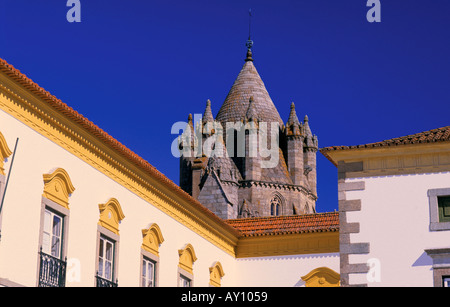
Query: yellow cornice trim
[[58, 187], [5, 152], [39, 116], [322, 277], [152, 238], [288, 244], [352, 154], [111, 215]]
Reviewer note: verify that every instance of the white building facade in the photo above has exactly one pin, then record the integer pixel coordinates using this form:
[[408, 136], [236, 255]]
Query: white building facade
[[394, 204]]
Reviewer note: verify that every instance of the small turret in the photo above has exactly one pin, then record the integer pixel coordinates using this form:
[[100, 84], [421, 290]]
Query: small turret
[[207, 115], [293, 125], [294, 139], [310, 147]]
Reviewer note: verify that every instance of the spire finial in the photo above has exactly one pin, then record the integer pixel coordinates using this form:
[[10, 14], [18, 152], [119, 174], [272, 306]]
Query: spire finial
[[293, 119], [249, 43], [207, 115]]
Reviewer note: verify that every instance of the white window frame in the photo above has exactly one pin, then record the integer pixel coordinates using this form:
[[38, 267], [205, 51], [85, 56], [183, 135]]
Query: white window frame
[[148, 279], [52, 238], [103, 260], [102, 232], [47, 204]]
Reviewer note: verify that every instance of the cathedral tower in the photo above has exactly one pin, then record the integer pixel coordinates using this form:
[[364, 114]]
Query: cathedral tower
[[239, 179]]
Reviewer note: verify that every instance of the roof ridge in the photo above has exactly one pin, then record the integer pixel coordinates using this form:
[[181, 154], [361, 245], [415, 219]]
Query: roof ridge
[[401, 140]]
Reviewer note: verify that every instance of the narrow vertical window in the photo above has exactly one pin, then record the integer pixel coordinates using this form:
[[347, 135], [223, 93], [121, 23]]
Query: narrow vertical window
[[55, 213], [105, 261], [151, 240], [185, 266], [52, 234], [52, 265], [108, 243], [275, 206], [148, 273]]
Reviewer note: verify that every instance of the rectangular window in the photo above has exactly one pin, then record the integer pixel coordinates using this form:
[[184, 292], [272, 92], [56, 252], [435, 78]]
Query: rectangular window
[[148, 273], [444, 208], [52, 234], [184, 281], [446, 281], [106, 259], [52, 260]]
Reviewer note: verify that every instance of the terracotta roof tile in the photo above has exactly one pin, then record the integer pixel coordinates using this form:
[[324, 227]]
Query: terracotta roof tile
[[260, 226]]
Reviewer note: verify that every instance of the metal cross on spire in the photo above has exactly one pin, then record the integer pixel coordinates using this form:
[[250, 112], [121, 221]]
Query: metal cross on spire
[[249, 43]]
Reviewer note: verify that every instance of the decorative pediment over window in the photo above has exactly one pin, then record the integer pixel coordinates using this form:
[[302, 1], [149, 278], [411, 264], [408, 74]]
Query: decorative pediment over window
[[5, 152], [58, 187], [215, 274], [322, 277], [110, 215], [152, 239], [187, 258]]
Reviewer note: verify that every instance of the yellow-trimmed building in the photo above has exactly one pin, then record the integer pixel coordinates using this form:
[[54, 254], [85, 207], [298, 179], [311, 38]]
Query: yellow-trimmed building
[[80, 209]]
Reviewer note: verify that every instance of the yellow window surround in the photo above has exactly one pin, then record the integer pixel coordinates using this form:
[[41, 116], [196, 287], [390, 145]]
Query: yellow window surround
[[187, 258], [215, 274], [5, 152], [152, 239], [110, 215], [58, 187], [322, 277]]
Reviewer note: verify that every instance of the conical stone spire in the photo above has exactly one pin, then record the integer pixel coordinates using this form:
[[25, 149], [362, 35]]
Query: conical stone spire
[[207, 115], [293, 125], [293, 119], [248, 83], [306, 129], [310, 139]]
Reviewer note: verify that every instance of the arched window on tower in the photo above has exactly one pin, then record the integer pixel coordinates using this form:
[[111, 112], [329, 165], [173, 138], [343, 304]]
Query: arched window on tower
[[275, 206]]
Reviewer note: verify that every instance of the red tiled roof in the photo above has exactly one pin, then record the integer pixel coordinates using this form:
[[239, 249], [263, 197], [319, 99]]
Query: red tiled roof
[[21, 79], [431, 136], [307, 223]]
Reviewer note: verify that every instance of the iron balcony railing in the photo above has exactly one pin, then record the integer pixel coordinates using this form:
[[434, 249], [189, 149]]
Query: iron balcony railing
[[52, 271], [105, 283]]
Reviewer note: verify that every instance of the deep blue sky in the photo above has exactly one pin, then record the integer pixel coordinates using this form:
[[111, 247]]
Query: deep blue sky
[[136, 67]]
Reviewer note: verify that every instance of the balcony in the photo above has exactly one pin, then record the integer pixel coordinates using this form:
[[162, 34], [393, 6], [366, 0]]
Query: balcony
[[105, 283], [52, 271]]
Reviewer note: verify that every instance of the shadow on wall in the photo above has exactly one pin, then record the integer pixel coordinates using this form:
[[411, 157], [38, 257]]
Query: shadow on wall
[[300, 283], [423, 260]]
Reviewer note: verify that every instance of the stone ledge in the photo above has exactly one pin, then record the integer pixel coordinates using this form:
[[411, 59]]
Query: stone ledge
[[355, 248], [350, 205]]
